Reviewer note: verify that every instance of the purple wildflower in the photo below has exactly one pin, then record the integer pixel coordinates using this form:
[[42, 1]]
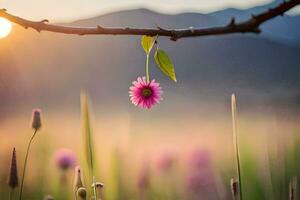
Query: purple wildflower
[[65, 159], [143, 180], [200, 180], [165, 161], [200, 158]]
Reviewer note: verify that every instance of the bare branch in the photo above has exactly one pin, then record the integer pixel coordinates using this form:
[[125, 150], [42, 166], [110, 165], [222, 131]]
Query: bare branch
[[249, 26]]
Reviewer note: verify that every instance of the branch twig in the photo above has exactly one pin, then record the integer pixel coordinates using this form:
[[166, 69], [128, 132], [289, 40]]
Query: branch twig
[[249, 26]]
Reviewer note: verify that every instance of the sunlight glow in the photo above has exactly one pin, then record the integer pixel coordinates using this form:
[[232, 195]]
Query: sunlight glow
[[5, 27]]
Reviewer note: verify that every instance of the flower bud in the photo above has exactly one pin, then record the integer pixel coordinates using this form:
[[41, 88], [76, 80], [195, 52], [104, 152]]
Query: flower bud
[[81, 193], [234, 188], [36, 119], [13, 180], [77, 179], [98, 186], [293, 188]]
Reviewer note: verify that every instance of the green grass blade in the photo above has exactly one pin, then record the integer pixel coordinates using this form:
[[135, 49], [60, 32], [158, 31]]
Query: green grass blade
[[87, 134], [113, 192], [236, 142]]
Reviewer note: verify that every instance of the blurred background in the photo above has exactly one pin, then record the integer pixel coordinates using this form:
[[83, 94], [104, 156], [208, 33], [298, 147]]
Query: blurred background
[[182, 148]]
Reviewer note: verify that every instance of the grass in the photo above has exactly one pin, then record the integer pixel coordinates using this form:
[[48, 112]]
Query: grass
[[269, 156], [236, 145]]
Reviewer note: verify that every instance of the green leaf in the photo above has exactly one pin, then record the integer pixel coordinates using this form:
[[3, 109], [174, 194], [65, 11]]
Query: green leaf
[[147, 43], [114, 191], [164, 62], [87, 133]]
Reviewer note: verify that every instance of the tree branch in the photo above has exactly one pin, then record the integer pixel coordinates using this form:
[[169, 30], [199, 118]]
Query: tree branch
[[249, 26]]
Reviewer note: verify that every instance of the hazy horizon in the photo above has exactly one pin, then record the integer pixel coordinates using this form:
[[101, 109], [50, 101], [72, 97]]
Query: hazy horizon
[[80, 9]]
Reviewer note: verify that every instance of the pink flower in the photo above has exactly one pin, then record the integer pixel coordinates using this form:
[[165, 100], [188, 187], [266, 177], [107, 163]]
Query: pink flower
[[65, 159], [200, 178], [200, 158], [165, 161], [143, 180], [145, 94], [199, 181]]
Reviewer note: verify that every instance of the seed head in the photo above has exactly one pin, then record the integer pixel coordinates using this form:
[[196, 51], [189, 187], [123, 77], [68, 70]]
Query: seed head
[[293, 188], [81, 193], [48, 197], [234, 188], [36, 119], [77, 179], [98, 185], [13, 180]]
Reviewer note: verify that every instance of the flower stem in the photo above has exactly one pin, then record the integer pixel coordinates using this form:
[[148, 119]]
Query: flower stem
[[147, 68], [25, 162], [236, 143], [11, 194], [94, 188]]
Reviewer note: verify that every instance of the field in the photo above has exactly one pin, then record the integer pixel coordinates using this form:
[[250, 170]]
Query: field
[[147, 155]]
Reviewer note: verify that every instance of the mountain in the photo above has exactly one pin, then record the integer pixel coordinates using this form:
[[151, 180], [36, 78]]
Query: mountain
[[282, 29], [49, 70]]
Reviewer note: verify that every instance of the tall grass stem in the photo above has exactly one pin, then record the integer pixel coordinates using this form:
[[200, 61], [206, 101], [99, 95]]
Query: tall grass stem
[[94, 188], [236, 142], [11, 194], [25, 162], [88, 137]]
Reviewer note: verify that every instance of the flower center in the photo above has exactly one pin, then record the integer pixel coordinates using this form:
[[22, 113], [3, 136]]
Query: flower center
[[147, 92]]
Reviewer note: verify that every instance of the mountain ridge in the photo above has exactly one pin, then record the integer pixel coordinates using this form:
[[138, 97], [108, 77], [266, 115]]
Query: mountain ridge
[[281, 29]]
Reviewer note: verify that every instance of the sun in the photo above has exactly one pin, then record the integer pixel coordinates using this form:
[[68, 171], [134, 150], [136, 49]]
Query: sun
[[5, 27]]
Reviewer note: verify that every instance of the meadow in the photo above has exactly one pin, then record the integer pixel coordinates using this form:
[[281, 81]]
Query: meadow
[[137, 156]]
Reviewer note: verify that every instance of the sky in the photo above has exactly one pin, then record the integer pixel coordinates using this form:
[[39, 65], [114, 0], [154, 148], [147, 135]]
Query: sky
[[69, 10]]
